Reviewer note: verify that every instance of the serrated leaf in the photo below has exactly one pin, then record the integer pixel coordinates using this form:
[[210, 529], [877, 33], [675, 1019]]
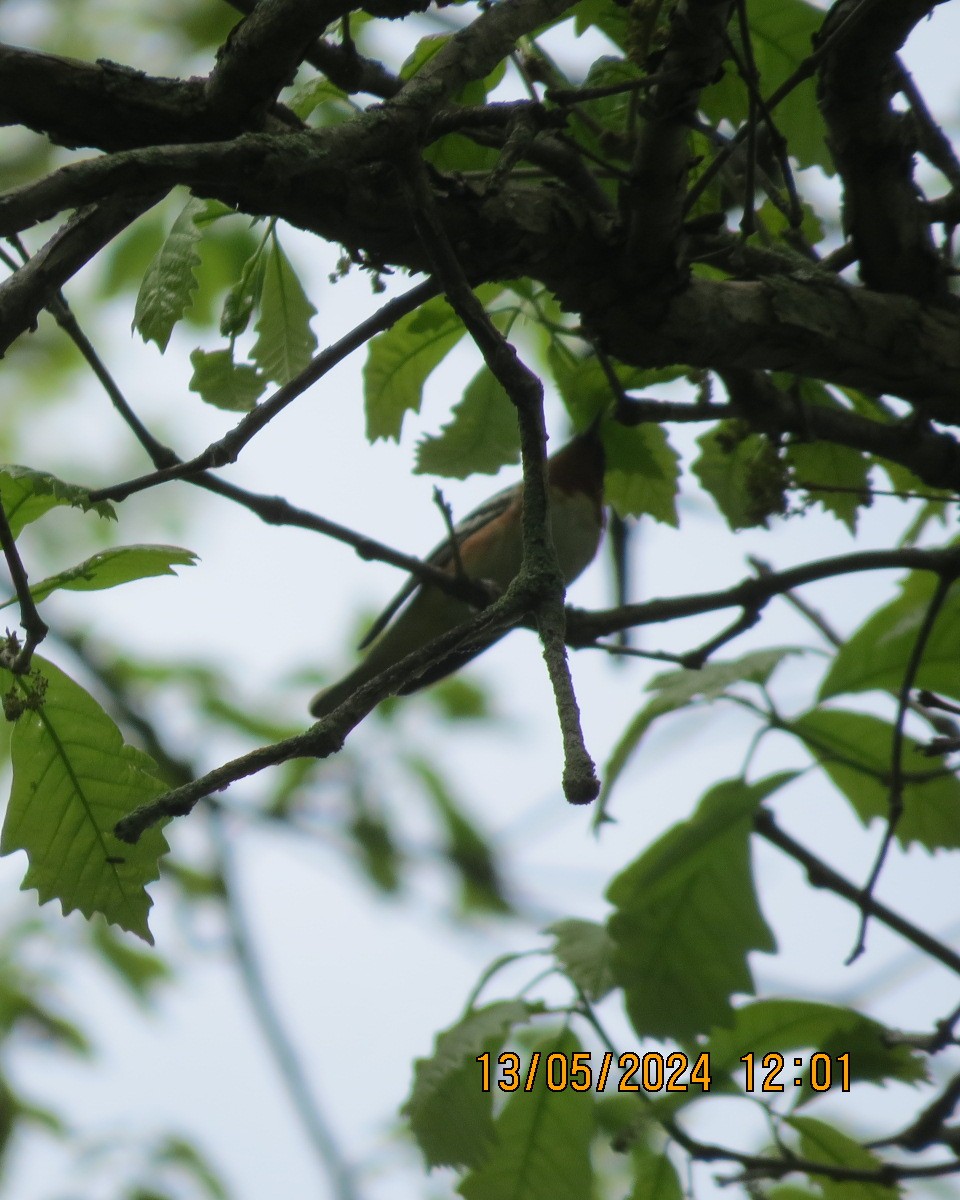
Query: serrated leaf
[[110, 568], [823, 465], [676, 690], [170, 281], [642, 473], [219, 381], [73, 779], [27, 494], [482, 437], [585, 388], [542, 1140], [687, 916], [781, 33], [400, 359], [742, 472], [584, 950], [831, 466], [285, 342], [855, 751], [876, 656], [450, 1116]]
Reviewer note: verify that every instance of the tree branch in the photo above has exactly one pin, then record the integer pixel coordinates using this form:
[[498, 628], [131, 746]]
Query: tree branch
[[227, 449], [821, 875], [327, 736], [882, 209], [262, 54], [756, 591], [32, 287], [540, 575]]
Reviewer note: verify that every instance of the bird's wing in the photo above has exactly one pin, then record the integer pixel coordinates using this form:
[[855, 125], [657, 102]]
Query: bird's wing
[[442, 557]]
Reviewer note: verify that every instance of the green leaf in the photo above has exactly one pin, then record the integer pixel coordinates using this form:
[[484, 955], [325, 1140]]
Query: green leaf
[[219, 381], [467, 851], [168, 286], [824, 1143], [820, 466], [141, 971], [542, 1140], [876, 656], [606, 15], [788, 1026], [380, 856], [687, 916], [742, 472], [823, 465], [73, 779], [110, 568], [178, 1152], [454, 152], [654, 1176], [450, 1116], [244, 296], [585, 388], [642, 473], [319, 93], [27, 494], [423, 52], [285, 342], [676, 690], [481, 438], [400, 359], [585, 950], [854, 749], [23, 1009], [781, 33]]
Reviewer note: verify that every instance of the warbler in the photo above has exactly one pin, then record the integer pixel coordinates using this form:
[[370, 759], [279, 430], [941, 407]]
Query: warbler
[[490, 547]]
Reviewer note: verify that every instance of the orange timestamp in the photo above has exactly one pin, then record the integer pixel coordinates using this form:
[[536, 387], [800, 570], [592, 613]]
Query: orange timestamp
[[628, 1072], [656, 1072]]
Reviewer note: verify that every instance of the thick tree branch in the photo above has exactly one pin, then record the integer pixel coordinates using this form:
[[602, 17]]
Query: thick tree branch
[[343, 66], [262, 54], [932, 455], [654, 200], [811, 325], [38, 282], [100, 104], [882, 206]]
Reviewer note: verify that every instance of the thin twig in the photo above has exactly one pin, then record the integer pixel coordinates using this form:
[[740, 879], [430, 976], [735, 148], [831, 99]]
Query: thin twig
[[327, 736], [823, 876], [580, 782], [454, 542], [227, 449], [33, 624], [895, 813]]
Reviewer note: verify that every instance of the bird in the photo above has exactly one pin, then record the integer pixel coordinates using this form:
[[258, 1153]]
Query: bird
[[490, 549]]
